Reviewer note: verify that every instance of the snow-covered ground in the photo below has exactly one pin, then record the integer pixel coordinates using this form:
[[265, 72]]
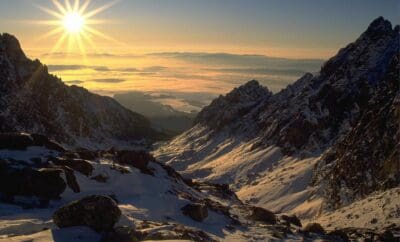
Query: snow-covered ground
[[147, 202], [380, 210], [141, 197], [265, 177]]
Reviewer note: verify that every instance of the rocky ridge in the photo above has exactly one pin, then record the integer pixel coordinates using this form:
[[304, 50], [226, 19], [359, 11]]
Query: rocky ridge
[[34, 101]]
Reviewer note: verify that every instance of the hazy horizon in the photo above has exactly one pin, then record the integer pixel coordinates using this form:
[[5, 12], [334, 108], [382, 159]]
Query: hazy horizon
[[190, 50]]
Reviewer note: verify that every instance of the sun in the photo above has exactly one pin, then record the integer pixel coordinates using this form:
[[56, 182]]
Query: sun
[[74, 23]]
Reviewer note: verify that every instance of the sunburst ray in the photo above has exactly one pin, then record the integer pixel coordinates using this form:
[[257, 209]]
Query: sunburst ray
[[100, 9], [76, 20], [59, 6]]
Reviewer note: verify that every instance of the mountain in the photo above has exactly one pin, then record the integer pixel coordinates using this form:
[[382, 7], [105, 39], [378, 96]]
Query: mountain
[[321, 144], [163, 117], [34, 101], [371, 148]]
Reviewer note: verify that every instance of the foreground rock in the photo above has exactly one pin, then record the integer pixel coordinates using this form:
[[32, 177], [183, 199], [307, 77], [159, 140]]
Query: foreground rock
[[21, 141], [138, 159], [81, 166], [197, 212], [263, 215], [97, 212], [44, 183], [315, 228], [292, 219]]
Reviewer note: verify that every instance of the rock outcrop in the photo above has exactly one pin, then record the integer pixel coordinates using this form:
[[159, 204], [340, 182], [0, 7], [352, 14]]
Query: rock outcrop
[[100, 213], [197, 212]]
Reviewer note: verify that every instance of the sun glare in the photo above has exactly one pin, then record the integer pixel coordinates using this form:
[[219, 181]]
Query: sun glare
[[74, 22]]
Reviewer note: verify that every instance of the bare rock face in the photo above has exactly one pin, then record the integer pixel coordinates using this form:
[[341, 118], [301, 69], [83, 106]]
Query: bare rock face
[[366, 159], [97, 212], [263, 215], [197, 212]]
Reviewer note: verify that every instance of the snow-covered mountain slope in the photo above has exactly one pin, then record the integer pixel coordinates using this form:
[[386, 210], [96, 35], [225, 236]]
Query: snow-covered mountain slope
[[150, 195], [380, 210], [268, 152], [34, 101]]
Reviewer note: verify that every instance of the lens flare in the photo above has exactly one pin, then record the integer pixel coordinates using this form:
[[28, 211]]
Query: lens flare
[[74, 23]]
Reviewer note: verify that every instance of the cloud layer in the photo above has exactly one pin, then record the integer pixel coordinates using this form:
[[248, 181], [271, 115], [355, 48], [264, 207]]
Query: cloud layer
[[185, 80]]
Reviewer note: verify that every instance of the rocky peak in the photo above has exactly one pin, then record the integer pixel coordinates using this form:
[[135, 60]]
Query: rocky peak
[[379, 26], [10, 46], [234, 105]]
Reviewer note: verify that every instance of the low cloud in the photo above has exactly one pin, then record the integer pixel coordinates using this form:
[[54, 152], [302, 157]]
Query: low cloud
[[150, 69], [66, 67], [108, 80], [74, 82], [259, 71], [99, 55], [228, 59]]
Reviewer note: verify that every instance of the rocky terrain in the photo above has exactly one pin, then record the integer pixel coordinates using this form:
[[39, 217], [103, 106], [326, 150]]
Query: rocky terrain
[[324, 142], [34, 101], [49, 193]]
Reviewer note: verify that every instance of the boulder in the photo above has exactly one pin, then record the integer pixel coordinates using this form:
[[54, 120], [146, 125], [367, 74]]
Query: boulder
[[71, 179], [292, 219], [15, 141], [197, 212], [21, 141], [263, 215], [97, 212], [44, 183], [82, 166], [49, 184], [41, 140], [138, 159], [315, 228], [87, 154]]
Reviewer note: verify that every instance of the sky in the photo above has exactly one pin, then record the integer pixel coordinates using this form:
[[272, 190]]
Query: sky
[[198, 47]]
